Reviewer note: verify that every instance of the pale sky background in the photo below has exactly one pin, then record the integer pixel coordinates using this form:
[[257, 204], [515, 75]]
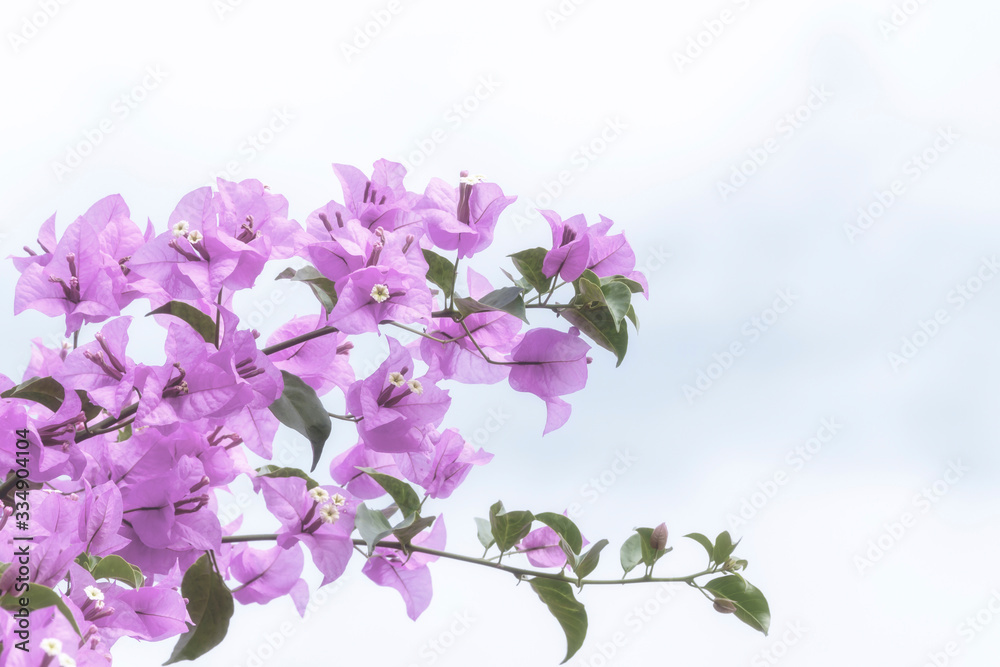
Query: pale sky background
[[911, 106]]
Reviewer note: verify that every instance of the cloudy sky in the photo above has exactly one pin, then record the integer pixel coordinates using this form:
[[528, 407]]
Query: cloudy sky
[[810, 188]]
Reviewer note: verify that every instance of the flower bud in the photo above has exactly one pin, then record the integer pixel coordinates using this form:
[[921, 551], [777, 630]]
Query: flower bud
[[658, 540], [724, 606], [732, 565]]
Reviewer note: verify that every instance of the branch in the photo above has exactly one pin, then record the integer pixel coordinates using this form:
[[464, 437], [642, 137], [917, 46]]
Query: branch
[[292, 342]]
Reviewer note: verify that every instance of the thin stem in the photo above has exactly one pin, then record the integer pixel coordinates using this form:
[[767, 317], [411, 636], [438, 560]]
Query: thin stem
[[218, 320], [519, 572], [485, 356], [103, 427], [292, 342], [346, 418], [76, 338], [419, 333], [554, 306]]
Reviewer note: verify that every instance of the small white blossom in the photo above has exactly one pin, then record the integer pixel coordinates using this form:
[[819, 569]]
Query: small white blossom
[[339, 500], [396, 379], [329, 513], [380, 293], [94, 593], [472, 179], [66, 661], [51, 646], [319, 494], [181, 228], [195, 236], [416, 387]]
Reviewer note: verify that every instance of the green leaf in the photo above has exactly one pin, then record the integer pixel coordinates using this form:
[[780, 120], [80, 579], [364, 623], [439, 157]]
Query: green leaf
[[210, 605], [558, 597], [199, 321], [321, 286], [441, 272], [564, 527], [485, 533], [631, 553], [529, 264], [723, 547], [89, 409], [372, 526], [588, 289], [40, 597], [598, 324], [405, 534], [509, 528], [520, 282], [406, 498], [299, 408], [618, 299], [124, 433], [633, 286], [587, 564], [116, 567], [45, 390], [630, 314], [703, 541], [87, 562], [751, 606], [275, 471], [505, 299]]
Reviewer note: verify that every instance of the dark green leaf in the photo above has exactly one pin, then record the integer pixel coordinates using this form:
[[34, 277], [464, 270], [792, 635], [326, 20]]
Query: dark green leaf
[[372, 526], [631, 553], [703, 541], [751, 606], [299, 408], [505, 299], [564, 527], [598, 324], [648, 555], [441, 272], [558, 597], [633, 286], [485, 533], [405, 534], [89, 409], [116, 567], [199, 321], [275, 471], [723, 547], [45, 390], [618, 299], [210, 605], [40, 597], [509, 528], [87, 562], [529, 264], [588, 289], [406, 498], [520, 282], [321, 286], [630, 314], [587, 564]]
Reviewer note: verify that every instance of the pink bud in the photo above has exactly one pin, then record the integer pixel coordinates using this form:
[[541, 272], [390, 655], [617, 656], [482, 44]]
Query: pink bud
[[724, 606], [658, 540]]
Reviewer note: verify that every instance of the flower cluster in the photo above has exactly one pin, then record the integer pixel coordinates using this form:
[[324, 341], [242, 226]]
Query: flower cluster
[[120, 461]]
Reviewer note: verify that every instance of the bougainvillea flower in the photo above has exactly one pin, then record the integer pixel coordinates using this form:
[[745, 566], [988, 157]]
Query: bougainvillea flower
[[372, 295], [265, 574], [462, 218], [380, 201], [101, 367], [408, 573], [541, 546], [322, 363], [344, 470], [394, 405], [445, 465], [577, 247], [551, 364]]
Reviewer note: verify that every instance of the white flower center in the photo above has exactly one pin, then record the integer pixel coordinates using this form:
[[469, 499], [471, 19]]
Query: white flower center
[[181, 228], [472, 179], [339, 500], [319, 494], [396, 379], [51, 646], [416, 387], [329, 513], [66, 661], [380, 293], [94, 593], [195, 236]]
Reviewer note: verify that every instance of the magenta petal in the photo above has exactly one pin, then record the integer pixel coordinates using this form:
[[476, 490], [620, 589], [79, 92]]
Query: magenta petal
[[266, 574]]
